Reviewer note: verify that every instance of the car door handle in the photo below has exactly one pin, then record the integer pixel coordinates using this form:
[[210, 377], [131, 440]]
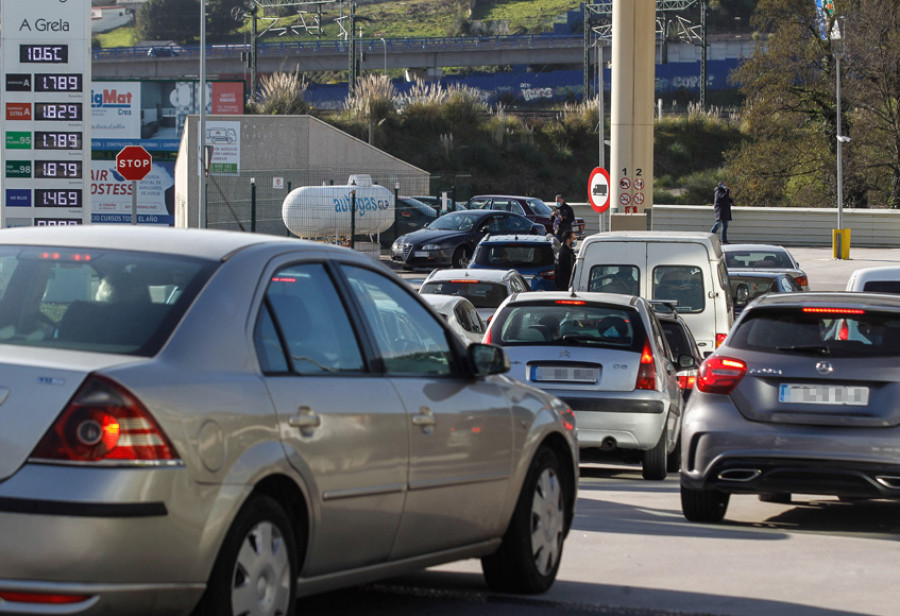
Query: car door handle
[[305, 420], [425, 419]]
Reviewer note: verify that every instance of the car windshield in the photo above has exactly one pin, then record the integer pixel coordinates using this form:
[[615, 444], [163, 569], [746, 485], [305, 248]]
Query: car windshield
[[482, 294], [514, 256], [567, 323], [94, 299], [758, 258], [414, 204], [539, 207], [454, 221], [827, 331]]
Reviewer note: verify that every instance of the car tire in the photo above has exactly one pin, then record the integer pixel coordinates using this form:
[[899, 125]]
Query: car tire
[[528, 558], [654, 460], [704, 505], [461, 257], [673, 460], [256, 568]]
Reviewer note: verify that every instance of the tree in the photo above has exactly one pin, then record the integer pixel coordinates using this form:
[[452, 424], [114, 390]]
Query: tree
[[177, 20], [220, 16]]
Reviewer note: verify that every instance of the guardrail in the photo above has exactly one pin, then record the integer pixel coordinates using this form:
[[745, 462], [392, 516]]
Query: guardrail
[[446, 43]]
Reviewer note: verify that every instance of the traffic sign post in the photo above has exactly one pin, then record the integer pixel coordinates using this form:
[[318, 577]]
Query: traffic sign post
[[133, 163]]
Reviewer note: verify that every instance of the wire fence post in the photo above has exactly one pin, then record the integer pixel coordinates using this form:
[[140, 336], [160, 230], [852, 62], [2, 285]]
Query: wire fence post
[[252, 205], [352, 219]]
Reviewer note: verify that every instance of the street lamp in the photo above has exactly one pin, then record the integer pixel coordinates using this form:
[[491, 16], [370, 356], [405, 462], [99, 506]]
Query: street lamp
[[384, 43], [201, 214], [837, 42]]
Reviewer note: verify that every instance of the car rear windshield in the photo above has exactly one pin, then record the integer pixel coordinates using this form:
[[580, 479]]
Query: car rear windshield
[[757, 258], [569, 322], [827, 331], [94, 299], [515, 256], [882, 286], [481, 294]]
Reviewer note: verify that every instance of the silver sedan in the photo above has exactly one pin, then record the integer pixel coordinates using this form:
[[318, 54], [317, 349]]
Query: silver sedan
[[222, 422]]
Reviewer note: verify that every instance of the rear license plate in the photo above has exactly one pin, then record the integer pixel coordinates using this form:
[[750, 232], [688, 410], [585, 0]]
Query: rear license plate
[[823, 394], [564, 374]]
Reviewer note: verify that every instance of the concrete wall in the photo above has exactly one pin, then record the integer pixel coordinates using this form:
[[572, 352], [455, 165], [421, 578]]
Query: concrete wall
[[302, 149]]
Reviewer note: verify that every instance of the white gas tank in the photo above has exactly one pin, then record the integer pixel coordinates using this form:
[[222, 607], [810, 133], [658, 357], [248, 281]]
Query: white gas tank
[[324, 211]]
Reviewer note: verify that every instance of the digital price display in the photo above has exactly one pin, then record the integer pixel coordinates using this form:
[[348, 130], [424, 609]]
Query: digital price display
[[57, 140], [43, 54], [67, 112], [45, 197], [57, 169], [58, 82]]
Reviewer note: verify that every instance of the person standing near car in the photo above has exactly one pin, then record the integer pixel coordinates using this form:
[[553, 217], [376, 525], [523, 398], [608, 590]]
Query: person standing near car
[[567, 217], [722, 203], [565, 262]]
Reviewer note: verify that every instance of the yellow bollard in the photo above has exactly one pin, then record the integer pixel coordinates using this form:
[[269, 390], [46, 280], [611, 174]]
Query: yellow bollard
[[840, 243]]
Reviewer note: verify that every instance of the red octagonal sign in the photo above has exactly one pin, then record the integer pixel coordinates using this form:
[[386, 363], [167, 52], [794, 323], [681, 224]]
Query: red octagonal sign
[[133, 162]]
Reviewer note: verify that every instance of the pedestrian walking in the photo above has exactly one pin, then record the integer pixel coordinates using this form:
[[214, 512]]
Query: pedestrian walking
[[722, 203], [565, 262], [567, 217]]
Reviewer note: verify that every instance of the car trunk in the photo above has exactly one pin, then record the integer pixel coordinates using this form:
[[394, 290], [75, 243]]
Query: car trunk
[[574, 368]]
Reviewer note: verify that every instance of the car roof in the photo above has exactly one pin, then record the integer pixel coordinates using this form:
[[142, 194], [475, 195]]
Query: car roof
[[736, 247], [202, 243], [588, 296], [488, 275], [869, 272], [829, 299], [443, 302]]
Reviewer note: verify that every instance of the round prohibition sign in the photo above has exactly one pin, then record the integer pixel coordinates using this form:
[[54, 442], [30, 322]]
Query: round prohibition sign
[[625, 183], [624, 198], [638, 184], [639, 198], [598, 189]]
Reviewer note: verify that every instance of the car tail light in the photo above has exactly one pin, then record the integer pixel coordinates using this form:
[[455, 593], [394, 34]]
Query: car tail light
[[42, 598], [487, 337], [571, 302], [843, 330], [547, 275], [720, 338], [646, 378], [817, 310], [687, 381], [104, 422], [720, 375], [803, 281]]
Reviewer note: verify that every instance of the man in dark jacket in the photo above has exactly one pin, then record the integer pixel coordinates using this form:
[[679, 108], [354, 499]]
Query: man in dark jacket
[[722, 202], [565, 262], [567, 217]]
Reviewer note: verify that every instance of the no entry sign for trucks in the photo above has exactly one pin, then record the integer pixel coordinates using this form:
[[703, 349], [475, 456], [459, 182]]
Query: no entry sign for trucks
[[598, 189], [133, 162]]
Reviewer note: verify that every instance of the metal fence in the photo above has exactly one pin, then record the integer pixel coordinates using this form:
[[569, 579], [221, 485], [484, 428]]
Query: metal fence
[[252, 201]]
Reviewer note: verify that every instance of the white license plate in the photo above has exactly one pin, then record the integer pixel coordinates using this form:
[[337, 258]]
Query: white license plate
[[420, 253], [824, 394], [565, 374]]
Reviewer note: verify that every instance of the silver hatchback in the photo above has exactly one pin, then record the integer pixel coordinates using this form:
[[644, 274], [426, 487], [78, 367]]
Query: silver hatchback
[[606, 356], [801, 398], [222, 422]]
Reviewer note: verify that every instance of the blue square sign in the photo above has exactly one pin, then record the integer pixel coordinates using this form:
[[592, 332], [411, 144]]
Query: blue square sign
[[18, 197]]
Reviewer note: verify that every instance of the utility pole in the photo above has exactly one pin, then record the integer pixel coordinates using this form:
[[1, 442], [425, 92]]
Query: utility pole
[[352, 47], [254, 43], [703, 7]]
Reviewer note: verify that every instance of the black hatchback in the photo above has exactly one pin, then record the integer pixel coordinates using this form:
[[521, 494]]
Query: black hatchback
[[450, 240]]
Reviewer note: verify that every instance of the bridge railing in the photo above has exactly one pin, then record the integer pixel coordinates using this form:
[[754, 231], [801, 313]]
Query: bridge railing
[[331, 46]]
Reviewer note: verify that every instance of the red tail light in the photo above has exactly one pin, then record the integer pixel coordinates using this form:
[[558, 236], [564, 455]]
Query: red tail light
[[646, 378], [686, 381], [487, 337], [803, 281], [843, 330], [720, 338], [104, 422], [720, 375], [547, 275], [43, 598]]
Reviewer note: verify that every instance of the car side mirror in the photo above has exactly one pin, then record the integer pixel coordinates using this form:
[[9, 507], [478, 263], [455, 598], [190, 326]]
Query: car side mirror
[[487, 359], [741, 294], [686, 361]]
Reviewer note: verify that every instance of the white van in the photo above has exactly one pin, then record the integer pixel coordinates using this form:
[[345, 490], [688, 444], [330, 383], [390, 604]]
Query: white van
[[686, 267], [884, 279]]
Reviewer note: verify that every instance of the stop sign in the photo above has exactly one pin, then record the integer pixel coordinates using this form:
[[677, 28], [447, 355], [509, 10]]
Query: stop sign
[[133, 162]]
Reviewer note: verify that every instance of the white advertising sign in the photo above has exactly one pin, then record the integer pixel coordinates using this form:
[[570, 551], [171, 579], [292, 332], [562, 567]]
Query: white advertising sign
[[116, 110]]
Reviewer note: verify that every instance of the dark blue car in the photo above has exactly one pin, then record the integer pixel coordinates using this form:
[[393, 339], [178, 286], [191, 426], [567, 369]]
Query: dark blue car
[[533, 256], [450, 240]]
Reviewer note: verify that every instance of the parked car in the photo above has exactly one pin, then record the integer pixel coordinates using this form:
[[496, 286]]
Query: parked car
[[885, 279], [606, 357], [460, 315], [410, 214], [530, 207], [741, 258], [485, 288], [686, 354], [747, 286], [685, 267], [162, 52], [450, 240], [254, 406], [786, 405], [533, 256]]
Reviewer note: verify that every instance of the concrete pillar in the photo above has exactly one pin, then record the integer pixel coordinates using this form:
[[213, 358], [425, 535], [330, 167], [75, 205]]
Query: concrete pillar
[[631, 115]]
